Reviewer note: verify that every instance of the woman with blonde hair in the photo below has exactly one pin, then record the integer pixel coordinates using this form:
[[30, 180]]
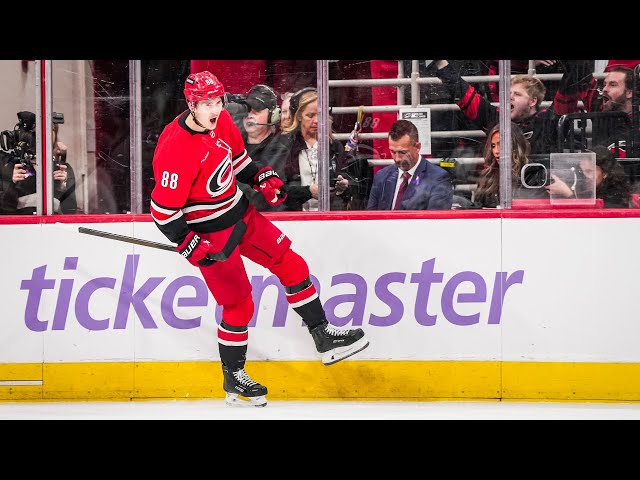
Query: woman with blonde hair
[[299, 133]]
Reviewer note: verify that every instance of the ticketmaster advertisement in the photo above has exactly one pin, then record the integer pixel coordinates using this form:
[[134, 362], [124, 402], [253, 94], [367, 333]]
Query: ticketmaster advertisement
[[435, 290]]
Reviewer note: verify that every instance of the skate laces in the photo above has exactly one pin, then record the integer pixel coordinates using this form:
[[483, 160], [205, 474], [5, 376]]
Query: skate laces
[[242, 377], [331, 330]]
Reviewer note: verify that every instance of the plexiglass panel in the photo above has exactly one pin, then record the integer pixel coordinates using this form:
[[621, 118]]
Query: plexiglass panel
[[107, 116]]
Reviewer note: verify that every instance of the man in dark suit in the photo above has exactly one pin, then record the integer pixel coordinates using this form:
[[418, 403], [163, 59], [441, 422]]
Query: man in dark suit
[[412, 183]]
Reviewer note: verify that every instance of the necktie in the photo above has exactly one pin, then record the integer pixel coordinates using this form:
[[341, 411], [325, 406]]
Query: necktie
[[403, 188]]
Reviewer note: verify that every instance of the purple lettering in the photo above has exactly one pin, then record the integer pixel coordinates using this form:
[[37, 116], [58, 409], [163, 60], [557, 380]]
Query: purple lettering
[[500, 286], [35, 286], [128, 298], [64, 296], [354, 303], [358, 299], [424, 279], [201, 299], [394, 303], [82, 303], [480, 295]]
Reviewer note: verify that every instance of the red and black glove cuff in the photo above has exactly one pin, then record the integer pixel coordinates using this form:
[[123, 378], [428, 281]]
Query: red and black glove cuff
[[264, 174], [267, 181], [195, 249]]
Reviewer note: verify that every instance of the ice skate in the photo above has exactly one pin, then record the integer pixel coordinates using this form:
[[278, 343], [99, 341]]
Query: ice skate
[[336, 344], [241, 390]]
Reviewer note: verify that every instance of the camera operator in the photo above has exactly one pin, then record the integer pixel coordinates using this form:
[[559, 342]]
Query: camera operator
[[259, 116], [18, 168], [237, 106]]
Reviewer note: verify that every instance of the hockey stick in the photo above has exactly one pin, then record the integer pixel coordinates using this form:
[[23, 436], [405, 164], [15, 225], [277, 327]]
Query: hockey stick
[[124, 238], [237, 233]]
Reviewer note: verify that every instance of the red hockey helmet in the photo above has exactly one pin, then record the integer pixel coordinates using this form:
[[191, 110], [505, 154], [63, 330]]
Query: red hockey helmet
[[202, 86]]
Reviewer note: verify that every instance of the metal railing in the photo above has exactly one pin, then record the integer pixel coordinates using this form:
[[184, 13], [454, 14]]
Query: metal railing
[[414, 82]]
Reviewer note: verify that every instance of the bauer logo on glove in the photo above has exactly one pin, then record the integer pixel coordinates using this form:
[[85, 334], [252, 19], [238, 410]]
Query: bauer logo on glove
[[188, 250], [269, 184], [195, 249]]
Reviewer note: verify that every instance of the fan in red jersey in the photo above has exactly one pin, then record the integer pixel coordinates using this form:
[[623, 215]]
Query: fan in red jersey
[[196, 203]]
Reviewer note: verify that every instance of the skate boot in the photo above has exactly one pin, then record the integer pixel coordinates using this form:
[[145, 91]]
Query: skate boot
[[241, 390], [336, 344]]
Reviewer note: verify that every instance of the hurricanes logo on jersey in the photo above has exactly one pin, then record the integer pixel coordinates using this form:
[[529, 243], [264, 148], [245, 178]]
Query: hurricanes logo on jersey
[[221, 179]]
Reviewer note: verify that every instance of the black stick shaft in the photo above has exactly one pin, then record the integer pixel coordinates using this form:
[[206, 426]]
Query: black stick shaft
[[232, 242], [124, 238]]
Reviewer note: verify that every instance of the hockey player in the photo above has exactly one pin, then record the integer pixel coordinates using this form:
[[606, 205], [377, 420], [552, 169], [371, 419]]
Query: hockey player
[[197, 204]]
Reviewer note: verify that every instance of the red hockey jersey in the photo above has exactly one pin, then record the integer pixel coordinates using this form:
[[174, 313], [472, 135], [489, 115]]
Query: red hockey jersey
[[195, 178]]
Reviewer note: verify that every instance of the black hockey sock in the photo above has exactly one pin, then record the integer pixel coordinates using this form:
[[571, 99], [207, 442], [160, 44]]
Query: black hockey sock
[[304, 300], [232, 344]]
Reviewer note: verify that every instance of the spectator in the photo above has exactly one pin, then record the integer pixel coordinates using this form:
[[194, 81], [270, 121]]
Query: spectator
[[448, 120], [579, 84], [615, 95], [259, 127], [611, 183], [300, 136], [18, 168], [620, 63], [519, 67], [286, 97], [487, 194], [527, 93], [412, 183]]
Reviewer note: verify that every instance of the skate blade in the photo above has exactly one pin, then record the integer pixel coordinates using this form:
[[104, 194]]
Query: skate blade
[[340, 353], [235, 400]]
